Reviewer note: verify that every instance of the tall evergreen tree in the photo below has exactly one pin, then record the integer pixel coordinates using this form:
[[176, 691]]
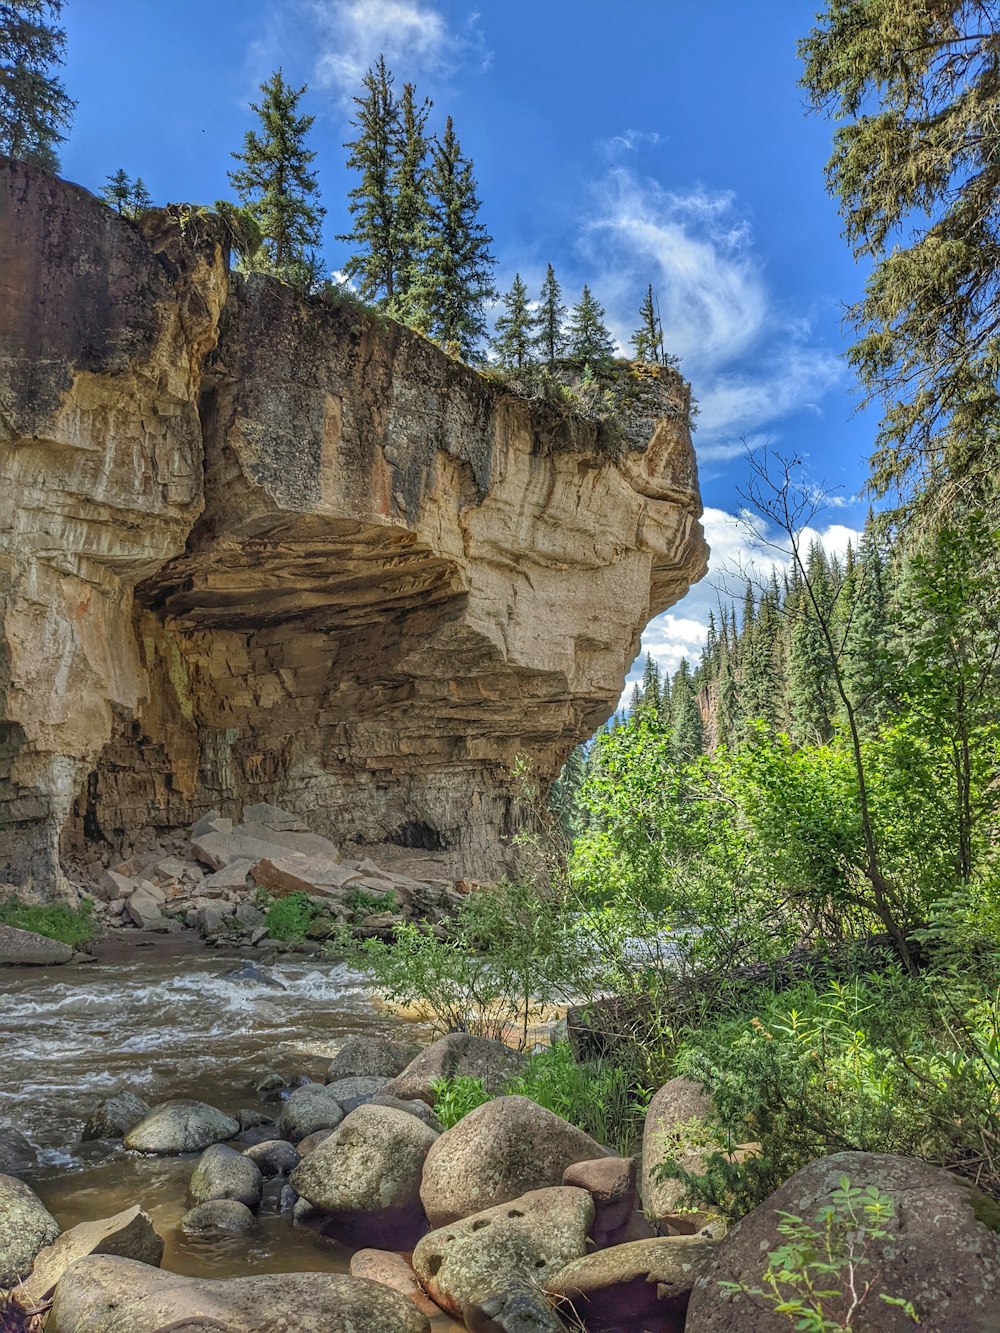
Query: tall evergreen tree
[[35, 109], [550, 317], [457, 275], [514, 340], [126, 196], [589, 338], [375, 153], [277, 186], [685, 715], [651, 684], [408, 209], [648, 337]]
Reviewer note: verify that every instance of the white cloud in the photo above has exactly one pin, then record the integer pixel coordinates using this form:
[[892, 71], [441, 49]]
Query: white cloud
[[628, 142], [743, 546], [414, 36], [751, 365]]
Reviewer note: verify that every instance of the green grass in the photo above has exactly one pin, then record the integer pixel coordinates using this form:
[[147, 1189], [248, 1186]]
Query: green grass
[[57, 921], [287, 918]]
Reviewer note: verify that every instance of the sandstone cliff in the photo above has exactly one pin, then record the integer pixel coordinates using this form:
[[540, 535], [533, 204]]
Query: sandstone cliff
[[259, 547]]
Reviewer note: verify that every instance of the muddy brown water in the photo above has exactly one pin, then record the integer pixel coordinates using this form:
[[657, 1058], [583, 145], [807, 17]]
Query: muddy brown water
[[166, 1021]]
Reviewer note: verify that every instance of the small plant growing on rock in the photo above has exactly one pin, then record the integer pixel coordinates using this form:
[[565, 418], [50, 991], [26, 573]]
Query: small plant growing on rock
[[456, 1097], [362, 902], [58, 921], [288, 918], [823, 1274]]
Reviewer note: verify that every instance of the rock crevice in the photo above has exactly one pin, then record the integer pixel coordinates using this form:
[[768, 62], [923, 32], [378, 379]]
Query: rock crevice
[[260, 547]]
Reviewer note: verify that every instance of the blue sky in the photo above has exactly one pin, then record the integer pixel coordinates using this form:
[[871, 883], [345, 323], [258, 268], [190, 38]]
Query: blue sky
[[624, 143]]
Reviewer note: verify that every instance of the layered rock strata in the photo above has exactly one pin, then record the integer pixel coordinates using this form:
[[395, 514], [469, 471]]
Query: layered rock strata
[[258, 547]]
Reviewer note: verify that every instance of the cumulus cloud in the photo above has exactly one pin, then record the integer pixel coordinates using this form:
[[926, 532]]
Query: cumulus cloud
[[414, 36]]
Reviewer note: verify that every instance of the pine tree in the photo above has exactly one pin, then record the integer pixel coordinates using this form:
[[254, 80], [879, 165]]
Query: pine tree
[[550, 317], [127, 197], [685, 715], [457, 275], [651, 684], [514, 340], [35, 110], [277, 186], [375, 154], [408, 209], [589, 338], [648, 337]]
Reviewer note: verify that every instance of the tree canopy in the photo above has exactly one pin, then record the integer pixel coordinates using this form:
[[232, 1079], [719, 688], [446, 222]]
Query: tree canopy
[[35, 109]]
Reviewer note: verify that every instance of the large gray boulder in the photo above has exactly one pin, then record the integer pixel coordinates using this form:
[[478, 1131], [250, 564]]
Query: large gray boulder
[[26, 1227], [106, 1295], [24, 948], [497, 1152], [366, 1177], [180, 1126], [16, 1153], [942, 1252], [354, 1091], [457, 1053], [529, 1239], [224, 1173], [308, 1109], [646, 1284], [129, 1234], [673, 1130], [273, 1157], [114, 1116], [371, 1057]]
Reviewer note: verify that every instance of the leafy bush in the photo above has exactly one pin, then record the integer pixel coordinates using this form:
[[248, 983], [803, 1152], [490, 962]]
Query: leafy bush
[[597, 1097], [362, 902], [455, 1097], [823, 1274], [58, 921], [289, 918]]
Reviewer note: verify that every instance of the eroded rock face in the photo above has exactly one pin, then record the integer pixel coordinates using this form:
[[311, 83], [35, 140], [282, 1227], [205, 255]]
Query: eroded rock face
[[255, 547]]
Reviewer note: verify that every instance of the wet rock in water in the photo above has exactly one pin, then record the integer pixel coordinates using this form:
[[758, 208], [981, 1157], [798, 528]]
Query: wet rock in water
[[26, 1227], [129, 1234], [942, 1250], [354, 1092], [16, 1153], [108, 1295], [251, 1118], [270, 1087], [217, 1215], [646, 1284], [252, 974], [224, 1173], [25, 948], [392, 1270], [309, 1108], [114, 1116], [287, 1199], [274, 1157], [414, 1107], [366, 1177], [519, 1307], [457, 1053], [529, 1239], [671, 1131], [497, 1152], [371, 1057], [180, 1126]]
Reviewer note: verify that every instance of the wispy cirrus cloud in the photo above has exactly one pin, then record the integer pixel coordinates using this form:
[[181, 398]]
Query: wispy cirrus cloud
[[414, 36]]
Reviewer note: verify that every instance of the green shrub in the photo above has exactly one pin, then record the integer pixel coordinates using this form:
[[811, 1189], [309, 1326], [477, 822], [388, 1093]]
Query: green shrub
[[288, 918], [597, 1097], [70, 925], [362, 902], [455, 1097]]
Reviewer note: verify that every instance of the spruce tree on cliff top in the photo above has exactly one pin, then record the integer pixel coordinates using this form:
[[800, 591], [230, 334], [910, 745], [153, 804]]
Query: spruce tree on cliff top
[[550, 317], [589, 338], [409, 208], [278, 187], [35, 110], [372, 204], [648, 337], [515, 338], [128, 197], [456, 277], [913, 86]]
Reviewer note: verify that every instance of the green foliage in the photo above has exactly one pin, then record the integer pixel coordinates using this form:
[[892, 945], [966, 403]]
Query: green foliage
[[278, 188], [588, 338], [455, 1097], [35, 110], [598, 1097], [129, 198], [507, 951], [648, 337], [514, 340], [824, 1273], [550, 317], [245, 236], [912, 87], [70, 925], [288, 918], [362, 902]]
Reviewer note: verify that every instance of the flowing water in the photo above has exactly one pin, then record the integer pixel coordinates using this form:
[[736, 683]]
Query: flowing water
[[166, 1021]]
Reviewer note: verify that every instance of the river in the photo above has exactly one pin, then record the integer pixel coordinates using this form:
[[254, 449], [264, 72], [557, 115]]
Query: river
[[167, 1022]]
